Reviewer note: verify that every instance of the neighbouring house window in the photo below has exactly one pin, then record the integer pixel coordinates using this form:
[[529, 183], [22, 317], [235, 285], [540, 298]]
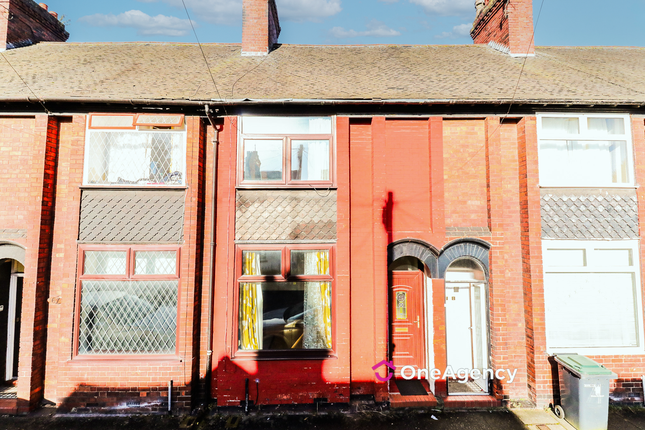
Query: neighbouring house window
[[585, 150], [592, 294], [144, 149], [286, 151], [285, 298], [127, 300]]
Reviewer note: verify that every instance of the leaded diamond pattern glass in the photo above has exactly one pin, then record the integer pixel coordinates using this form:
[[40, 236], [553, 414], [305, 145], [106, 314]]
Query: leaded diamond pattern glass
[[112, 121], [155, 263], [128, 317], [135, 157], [105, 263], [159, 119]]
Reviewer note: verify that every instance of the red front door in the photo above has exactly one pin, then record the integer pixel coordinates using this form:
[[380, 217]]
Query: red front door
[[407, 321]]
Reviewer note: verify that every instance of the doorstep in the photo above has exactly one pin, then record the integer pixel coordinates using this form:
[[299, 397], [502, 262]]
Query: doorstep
[[460, 402], [399, 401]]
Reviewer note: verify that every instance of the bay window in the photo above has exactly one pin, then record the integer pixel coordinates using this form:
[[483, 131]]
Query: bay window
[[285, 297], [127, 300], [585, 150], [135, 150], [286, 151], [592, 294]]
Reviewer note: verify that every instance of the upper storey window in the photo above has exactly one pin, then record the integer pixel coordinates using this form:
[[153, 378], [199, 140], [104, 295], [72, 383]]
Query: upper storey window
[[585, 150], [135, 150], [286, 151]]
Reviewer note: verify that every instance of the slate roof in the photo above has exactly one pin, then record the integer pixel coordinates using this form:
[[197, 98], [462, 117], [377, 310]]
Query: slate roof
[[167, 72]]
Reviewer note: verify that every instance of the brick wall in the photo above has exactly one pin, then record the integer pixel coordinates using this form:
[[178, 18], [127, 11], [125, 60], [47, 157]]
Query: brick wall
[[465, 177], [136, 384]]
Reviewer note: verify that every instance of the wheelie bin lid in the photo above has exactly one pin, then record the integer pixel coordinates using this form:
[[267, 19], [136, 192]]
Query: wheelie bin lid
[[583, 367]]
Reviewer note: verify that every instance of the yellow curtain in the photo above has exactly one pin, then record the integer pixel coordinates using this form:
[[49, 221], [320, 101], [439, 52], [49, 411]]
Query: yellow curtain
[[251, 305]]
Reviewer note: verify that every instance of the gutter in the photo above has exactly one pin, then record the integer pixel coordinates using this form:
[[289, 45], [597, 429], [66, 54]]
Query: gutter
[[321, 102]]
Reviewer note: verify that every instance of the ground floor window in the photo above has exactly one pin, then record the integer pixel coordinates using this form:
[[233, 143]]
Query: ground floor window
[[127, 300], [285, 297], [592, 294]]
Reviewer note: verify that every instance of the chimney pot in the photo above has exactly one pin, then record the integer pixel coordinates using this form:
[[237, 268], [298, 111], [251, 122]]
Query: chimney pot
[[54, 14], [43, 5]]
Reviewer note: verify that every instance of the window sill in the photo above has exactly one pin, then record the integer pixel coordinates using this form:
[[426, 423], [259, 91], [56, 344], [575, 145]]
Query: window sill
[[124, 359], [133, 186], [600, 187], [280, 355], [316, 187]]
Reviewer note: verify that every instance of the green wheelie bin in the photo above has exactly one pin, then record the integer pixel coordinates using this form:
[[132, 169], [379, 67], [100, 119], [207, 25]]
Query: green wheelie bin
[[584, 392]]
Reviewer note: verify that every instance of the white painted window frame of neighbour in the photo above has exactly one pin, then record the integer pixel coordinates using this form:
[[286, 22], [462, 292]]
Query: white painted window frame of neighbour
[[586, 135], [594, 264], [89, 130]]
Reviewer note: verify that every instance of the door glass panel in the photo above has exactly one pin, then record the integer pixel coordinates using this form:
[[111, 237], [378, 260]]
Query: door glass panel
[[401, 305]]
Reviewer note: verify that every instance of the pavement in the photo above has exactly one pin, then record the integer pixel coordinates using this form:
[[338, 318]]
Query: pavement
[[631, 418]]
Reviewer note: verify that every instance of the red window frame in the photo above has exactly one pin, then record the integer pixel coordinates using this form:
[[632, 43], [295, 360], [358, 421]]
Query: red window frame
[[287, 181], [285, 276], [130, 251]]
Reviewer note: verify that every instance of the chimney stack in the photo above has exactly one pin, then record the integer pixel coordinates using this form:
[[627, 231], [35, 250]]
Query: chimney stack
[[506, 22], [25, 22], [260, 27]]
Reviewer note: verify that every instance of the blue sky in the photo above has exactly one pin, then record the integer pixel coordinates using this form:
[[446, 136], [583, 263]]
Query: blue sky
[[562, 22]]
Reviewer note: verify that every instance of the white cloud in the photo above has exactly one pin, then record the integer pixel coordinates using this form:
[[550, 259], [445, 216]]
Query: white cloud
[[374, 29], [229, 12], [447, 7], [461, 30], [307, 10], [142, 22]]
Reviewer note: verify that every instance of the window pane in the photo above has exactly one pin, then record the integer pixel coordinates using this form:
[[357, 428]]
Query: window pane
[[263, 160], [310, 262], [155, 263], [583, 162], [606, 125], [560, 126], [310, 160], [614, 257], [282, 125], [465, 270], [565, 257], [590, 310], [105, 263], [285, 315], [135, 157], [128, 317], [265, 263]]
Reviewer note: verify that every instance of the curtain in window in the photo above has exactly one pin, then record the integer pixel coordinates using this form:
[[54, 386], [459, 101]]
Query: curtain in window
[[251, 305], [317, 319]]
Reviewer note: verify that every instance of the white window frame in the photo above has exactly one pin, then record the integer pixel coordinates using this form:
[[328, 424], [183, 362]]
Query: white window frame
[[586, 135], [90, 130], [592, 266]]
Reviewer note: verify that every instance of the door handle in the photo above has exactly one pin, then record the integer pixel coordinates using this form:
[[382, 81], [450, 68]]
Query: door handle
[[417, 321]]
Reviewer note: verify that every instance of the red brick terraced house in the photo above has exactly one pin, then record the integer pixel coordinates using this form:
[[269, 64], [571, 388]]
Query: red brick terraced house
[[274, 221]]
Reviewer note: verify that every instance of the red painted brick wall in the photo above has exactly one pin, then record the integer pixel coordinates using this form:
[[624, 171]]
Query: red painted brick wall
[[507, 23], [280, 381]]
